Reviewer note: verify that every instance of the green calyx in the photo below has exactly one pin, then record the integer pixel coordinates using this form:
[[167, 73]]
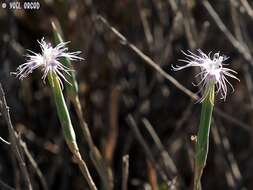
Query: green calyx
[[202, 144]]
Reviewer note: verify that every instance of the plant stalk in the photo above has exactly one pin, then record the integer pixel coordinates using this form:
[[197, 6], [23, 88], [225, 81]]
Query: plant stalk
[[202, 144], [99, 162], [68, 131]]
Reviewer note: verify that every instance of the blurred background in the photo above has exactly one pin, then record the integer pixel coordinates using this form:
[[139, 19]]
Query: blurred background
[[138, 118]]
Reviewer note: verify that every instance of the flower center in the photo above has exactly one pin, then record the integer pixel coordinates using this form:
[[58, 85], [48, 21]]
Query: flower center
[[49, 57], [214, 67]]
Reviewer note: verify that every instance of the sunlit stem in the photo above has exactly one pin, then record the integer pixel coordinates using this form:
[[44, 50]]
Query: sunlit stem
[[68, 131], [202, 144], [101, 166]]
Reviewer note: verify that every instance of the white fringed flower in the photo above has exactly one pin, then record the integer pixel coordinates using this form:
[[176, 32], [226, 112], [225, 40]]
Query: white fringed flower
[[48, 60], [212, 71]]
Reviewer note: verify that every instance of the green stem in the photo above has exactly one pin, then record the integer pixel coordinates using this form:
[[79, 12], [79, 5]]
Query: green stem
[[68, 131], [72, 86], [203, 134], [100, 164], [61, 107]]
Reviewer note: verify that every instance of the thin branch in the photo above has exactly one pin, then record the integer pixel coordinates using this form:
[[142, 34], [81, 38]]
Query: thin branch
[[143, 12], [173, 5], [241, 47], [4, 186], [131, 122], [15, 146], [189, 25], [152, 175], [155, 66], [125, 171], [99, 162], [239, 36], [233, 120], [168, 161], [34, 165], [111, 139], [147, 60], [248, 8], [4, 141], [221, 139]]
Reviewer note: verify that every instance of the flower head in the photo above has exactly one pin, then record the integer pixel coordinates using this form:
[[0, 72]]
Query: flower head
[[48, 60], [212, 71]]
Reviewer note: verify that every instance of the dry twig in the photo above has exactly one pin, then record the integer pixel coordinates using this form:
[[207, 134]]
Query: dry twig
[[130, 120], [125, 171], [155, 66], [15, 146], [34, 165], [147, 59]]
